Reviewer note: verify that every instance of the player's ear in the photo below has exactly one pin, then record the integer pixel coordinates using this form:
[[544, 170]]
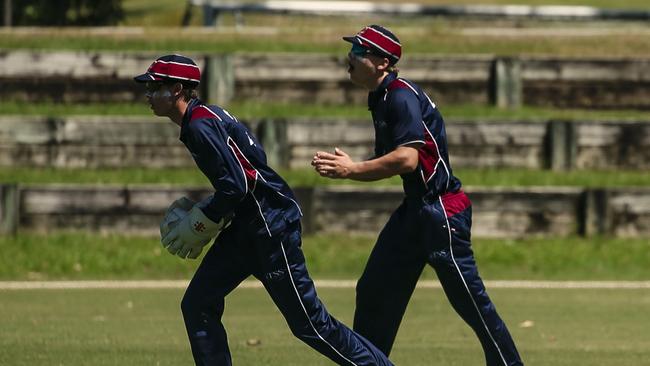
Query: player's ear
[[177, 89], [383, 64]]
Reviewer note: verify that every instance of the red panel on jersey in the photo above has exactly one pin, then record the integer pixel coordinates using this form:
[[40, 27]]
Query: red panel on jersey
[[249, 171], [201, 112], [428, 156], [455, 202]]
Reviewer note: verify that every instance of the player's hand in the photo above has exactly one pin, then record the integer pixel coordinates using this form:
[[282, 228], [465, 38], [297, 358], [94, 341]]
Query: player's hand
[[192, 233], [175, 212], [184, 203], [337, 165]]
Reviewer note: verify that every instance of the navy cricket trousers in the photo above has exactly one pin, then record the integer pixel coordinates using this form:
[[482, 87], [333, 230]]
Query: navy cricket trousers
[[434, 232], [280, 265]]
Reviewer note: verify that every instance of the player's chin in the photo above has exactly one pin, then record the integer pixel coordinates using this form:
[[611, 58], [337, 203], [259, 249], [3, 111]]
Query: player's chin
[[156, 111]]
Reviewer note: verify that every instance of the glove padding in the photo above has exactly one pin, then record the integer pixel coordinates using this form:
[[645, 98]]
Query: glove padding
[[192, 232], [176, 211]]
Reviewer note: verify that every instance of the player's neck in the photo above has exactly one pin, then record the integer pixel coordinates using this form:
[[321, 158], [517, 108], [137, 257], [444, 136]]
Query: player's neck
[[177, 113], [376, 82]]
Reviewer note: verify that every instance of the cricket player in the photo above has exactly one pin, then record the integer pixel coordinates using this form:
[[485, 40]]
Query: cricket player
[[256, 222], [432, 225]]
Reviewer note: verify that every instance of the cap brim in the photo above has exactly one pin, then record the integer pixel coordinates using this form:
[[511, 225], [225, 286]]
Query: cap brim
[[146, 77], [352, 39]]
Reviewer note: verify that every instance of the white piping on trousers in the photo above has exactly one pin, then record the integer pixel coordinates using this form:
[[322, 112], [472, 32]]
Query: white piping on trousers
[[460, 273], [305, 310]]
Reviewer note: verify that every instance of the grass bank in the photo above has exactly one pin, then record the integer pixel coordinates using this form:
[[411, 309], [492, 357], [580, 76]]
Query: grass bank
[[323, 35], [308, 178], [170, 12], [252, 110], [82, 255]]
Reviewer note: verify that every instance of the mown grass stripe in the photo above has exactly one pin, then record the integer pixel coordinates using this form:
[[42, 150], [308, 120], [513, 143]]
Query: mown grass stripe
[[173, 284]]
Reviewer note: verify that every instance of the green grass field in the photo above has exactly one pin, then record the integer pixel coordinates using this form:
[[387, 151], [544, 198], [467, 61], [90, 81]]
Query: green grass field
[[144, 327]]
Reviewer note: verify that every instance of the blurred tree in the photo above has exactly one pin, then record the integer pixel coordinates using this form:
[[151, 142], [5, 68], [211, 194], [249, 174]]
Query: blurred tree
[[66, 12]]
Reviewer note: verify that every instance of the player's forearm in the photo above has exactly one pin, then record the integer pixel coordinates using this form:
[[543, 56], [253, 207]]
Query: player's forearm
[[395, 163]]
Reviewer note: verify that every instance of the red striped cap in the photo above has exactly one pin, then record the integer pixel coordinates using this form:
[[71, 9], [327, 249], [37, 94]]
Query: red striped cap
[[174, 68], [380, 40]]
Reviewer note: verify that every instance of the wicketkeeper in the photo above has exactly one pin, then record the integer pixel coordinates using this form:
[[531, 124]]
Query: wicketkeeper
[[256, 222]]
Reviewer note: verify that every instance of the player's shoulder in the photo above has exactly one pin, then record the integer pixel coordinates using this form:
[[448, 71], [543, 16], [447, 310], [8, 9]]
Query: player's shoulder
[[401, 86], [211, 112], [401, 89], [401, 92], [204, 111]]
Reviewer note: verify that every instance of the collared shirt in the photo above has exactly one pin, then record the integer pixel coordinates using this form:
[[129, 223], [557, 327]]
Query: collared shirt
[[235, 163], [403, 114]]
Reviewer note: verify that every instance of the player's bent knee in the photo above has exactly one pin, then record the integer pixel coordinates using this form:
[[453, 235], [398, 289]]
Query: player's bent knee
[[302, 331], [193, 304], [189, 304]]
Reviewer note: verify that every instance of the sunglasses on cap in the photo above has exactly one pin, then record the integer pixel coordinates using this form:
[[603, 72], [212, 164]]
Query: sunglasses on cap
[[154, 86], [359, 51]]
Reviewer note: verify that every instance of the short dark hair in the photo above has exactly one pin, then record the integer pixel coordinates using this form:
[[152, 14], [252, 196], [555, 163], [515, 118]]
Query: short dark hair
[[189, 93], [189, 90]]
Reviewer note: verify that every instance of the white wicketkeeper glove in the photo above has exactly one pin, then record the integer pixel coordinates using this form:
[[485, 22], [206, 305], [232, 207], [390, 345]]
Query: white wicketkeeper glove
[[187, 238], [176, 211]]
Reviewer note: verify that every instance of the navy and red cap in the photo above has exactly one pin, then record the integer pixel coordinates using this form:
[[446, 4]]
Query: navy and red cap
[[380, 40], [172, 68]]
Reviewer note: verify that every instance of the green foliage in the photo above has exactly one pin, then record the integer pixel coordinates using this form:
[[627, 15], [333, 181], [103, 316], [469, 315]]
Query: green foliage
[[66, 12]]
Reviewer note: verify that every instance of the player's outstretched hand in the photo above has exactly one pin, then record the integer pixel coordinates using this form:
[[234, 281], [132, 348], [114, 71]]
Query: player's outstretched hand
[[337, 165]]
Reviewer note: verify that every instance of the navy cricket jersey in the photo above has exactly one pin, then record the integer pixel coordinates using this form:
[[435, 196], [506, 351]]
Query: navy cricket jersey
[[403, 114], [235, 163]]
